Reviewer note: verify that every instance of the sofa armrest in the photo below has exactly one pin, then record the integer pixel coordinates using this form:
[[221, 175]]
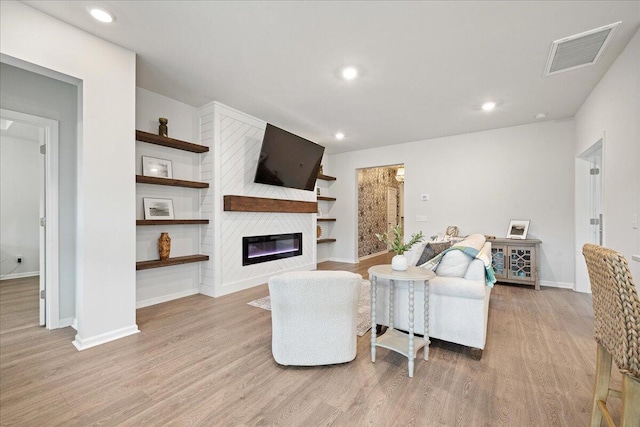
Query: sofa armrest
[[475, 270]]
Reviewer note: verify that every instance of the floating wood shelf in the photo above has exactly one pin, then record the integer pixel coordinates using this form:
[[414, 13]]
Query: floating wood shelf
[[170, 221], [327, 199], [261, 204], [145, 265], [326, 219], [170, 142], [326, 240], [169, 181], [326, 177]]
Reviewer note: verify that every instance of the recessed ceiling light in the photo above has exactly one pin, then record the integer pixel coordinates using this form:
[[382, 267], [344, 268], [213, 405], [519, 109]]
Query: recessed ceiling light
[[4, 124], [101, 15], [541, 116], [349, 73], [488, 106], [339, 135]]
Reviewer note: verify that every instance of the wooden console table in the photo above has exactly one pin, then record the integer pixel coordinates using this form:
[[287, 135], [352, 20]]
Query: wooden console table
[[516, 261]]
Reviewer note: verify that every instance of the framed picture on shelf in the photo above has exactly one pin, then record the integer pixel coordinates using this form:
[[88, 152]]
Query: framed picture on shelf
[[157, 208], [518, 229], [152, 166]]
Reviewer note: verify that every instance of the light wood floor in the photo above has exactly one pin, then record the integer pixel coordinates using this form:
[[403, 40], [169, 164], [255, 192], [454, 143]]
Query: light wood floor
[[206, 361]]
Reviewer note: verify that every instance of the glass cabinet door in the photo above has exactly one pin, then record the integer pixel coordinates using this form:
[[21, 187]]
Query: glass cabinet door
[[521, 262], [498, 261]]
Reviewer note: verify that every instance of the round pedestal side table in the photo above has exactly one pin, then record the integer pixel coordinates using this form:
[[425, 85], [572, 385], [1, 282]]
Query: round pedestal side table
[[398, 341]]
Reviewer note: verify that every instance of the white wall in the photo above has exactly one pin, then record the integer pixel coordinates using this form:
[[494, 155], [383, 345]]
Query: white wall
[[105, 300], [479, 182], [613, 108], [20, 177], [42, 96], [163, 284]]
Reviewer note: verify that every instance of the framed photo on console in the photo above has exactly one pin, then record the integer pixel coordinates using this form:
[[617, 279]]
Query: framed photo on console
[[518, 229], [158, 208], [152, 166]]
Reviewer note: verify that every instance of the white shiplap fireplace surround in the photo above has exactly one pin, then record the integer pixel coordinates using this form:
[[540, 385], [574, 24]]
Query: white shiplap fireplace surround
[[235, 139]]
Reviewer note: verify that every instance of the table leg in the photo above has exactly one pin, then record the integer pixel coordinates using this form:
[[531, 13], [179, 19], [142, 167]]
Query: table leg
[[392, 294], [411, 355], [374, 283], [427, 341]]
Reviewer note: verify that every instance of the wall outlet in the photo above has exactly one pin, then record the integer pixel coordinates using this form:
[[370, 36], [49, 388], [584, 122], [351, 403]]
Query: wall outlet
[[18, 259], [421, 218], [634, 220]]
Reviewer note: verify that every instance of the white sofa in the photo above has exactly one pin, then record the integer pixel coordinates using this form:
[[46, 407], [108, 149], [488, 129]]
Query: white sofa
[[458, 300], [314, 316]]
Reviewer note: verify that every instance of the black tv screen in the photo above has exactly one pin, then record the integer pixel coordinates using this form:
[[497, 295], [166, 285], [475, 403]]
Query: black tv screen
[[288, 160]]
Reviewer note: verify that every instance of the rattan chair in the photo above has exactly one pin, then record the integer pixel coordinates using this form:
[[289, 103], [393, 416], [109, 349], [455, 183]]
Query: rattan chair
[[616, 309]]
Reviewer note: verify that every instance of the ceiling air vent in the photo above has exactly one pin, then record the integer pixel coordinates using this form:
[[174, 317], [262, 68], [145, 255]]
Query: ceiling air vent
[[579, 50]]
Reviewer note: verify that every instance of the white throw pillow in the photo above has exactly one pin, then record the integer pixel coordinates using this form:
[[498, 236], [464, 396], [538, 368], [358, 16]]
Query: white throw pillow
[[454, 264]]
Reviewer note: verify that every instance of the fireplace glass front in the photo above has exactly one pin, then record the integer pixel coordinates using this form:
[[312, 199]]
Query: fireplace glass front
[[257, 249]]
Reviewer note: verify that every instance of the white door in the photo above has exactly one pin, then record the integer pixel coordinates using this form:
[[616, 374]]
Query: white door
[[48, 211], [595, 194], [43, 234], [392, 209], [589, 218]]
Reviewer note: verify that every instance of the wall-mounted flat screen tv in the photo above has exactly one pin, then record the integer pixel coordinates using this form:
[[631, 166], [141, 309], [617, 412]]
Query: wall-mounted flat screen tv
[[288, 160]]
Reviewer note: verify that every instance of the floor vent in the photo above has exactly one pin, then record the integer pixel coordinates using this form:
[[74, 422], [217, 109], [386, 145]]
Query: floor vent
[[579, 50]]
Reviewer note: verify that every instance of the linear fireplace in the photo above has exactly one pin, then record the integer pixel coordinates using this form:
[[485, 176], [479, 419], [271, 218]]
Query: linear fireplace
[[257, 249]]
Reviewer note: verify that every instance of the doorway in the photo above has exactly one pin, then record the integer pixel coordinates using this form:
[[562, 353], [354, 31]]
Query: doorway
[[30, 206], [380, 206], [590, 220]]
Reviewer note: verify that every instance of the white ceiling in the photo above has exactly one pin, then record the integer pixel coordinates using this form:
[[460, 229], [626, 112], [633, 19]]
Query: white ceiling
[[426, 67], [22, 131]]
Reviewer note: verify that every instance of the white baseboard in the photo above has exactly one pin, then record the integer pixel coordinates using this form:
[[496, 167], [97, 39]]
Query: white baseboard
[[345, 260], [20, 275], [241, 285], [372, 255], [165, 298], [68, 321], [85, 343], [563, 285], [207, 290]]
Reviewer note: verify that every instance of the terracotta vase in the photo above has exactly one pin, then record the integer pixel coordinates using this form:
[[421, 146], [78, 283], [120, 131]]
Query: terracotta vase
[[164, 245]]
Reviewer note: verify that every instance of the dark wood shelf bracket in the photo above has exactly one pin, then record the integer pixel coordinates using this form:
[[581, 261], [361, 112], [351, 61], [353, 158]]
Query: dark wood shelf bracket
[[145, 265], [170, 142], [326, 177], [171, 221], [171, 182], [261, 204]]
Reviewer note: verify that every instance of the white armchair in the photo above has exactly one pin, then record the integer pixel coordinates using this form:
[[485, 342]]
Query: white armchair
[[314, 316]]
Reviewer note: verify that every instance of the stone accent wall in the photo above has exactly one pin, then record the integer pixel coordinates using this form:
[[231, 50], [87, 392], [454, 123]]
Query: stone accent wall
[[372, 207]]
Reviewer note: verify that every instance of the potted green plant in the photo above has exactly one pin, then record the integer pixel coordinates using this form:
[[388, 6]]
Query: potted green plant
[[398, 246]]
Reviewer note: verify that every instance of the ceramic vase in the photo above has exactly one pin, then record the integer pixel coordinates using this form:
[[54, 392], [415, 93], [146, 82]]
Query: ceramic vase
[[164, 245], [399, 263], [162, 129]]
